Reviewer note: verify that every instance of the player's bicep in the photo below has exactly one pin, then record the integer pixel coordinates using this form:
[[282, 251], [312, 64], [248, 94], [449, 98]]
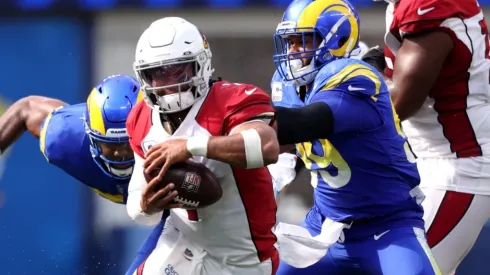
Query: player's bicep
[[37, 110], [259, 121], [417, 66], [255, 112]]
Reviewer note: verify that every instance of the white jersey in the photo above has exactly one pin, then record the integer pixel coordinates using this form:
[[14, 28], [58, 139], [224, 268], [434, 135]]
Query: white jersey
[[451, 131], [237, 228], [454, 121]]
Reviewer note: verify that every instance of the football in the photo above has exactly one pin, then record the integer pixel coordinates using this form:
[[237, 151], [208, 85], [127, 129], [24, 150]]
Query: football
[[196, 184]]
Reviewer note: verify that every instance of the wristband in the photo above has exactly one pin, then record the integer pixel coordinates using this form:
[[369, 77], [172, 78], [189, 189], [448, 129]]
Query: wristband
[[253, 148], [198, 146]]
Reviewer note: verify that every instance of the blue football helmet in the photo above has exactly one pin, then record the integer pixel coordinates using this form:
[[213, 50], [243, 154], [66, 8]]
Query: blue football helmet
[[324, 30], [108, 107]]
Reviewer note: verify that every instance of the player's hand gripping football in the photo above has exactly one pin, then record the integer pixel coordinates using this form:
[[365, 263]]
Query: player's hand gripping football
[[165, 155], [154, 202], [162, 155]]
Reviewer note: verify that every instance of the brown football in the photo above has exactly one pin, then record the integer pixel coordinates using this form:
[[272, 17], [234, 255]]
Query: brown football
[[196, 184]]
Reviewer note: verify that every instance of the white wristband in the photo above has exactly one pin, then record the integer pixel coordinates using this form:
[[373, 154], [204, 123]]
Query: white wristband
[[253, 148], [198, 146]]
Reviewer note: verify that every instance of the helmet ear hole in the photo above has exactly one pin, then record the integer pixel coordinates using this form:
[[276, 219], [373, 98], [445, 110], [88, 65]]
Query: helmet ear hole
[[342, 41]]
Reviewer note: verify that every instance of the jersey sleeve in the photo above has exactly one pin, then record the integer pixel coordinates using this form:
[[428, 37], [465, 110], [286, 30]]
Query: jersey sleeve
[[52, 128], [352, 99], [350, 112], [419, 16], [245, 103], [138, 124]]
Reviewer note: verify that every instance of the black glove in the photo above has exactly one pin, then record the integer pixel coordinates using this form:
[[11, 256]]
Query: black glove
[[376, 58]]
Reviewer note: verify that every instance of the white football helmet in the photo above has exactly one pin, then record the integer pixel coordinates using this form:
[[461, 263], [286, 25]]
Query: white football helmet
[[173, 44]]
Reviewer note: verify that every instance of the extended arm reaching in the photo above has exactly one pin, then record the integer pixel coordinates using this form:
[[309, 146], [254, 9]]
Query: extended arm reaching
[[28, 114]]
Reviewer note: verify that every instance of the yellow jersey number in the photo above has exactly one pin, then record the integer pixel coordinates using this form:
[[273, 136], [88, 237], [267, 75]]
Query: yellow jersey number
[[331, 156]]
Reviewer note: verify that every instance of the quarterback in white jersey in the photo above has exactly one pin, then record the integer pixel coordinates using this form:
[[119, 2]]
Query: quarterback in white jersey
[[225, 126], [437, 56]]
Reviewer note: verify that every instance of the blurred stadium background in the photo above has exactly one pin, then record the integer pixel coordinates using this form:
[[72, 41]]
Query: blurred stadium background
[[51, 224]]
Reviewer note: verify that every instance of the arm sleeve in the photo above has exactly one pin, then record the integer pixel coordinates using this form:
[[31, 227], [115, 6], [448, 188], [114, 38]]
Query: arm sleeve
[[135, 189], [331, 112]]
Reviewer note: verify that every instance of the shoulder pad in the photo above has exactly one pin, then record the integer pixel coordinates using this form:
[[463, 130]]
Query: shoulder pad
[[230, 103], [416, 16], [61, 129], [351, 76]]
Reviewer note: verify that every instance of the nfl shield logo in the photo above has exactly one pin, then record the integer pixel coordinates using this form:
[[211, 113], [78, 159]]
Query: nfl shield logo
[[191, 182]]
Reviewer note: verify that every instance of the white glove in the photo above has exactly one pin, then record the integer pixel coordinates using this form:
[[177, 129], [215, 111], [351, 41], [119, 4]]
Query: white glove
[[282, 171]]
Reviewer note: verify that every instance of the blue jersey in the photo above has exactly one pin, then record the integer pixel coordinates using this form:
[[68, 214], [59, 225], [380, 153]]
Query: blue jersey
[[365, 169], [65, 144]]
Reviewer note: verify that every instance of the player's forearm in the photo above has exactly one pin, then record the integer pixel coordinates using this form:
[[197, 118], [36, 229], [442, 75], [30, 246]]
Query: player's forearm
[[13, 123], [25, 114], [418, 64], [254, 153]]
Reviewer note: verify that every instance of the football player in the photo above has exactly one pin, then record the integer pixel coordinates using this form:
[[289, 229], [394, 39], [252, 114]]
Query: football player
[[366, 194], [283, 172], [225, 126], [437, 57], [88, 141]]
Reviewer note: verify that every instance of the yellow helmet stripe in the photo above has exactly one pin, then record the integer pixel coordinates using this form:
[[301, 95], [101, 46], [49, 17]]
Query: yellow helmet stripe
[[95, 113], [354, 31], [310, 14]]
